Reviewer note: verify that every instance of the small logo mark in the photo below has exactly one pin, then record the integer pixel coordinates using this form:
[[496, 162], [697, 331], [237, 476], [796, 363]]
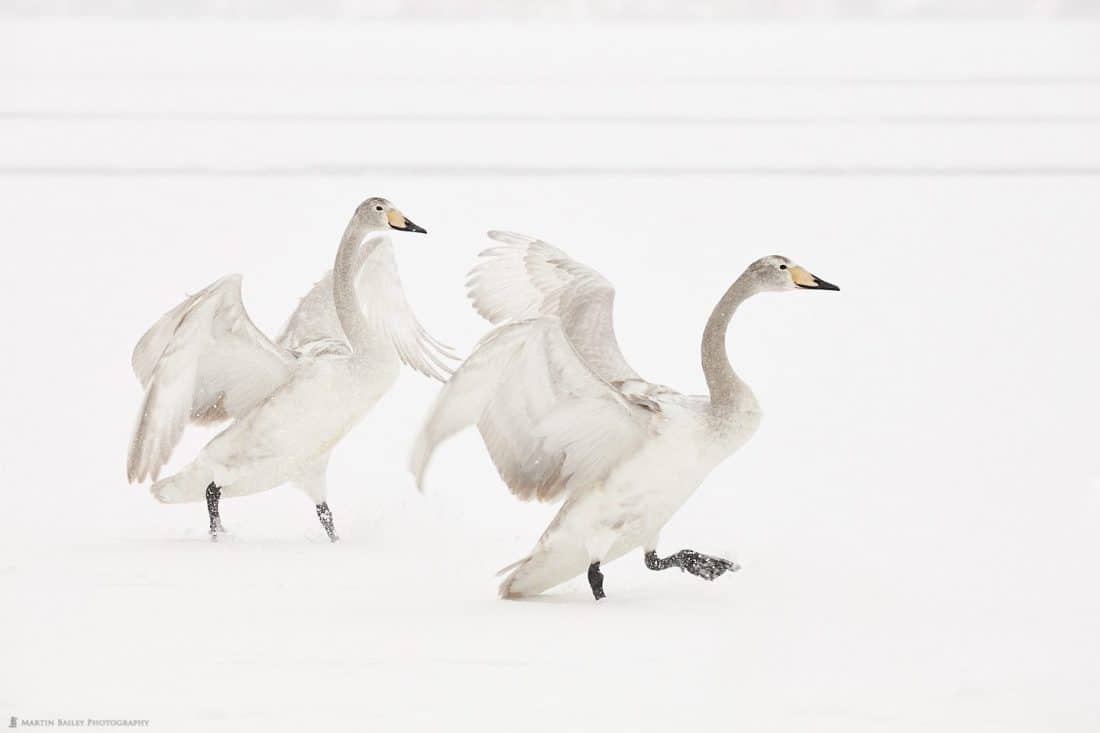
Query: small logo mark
[[14, 722]]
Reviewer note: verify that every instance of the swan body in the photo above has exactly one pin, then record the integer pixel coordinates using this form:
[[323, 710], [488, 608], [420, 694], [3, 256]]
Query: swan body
[[205, 361], [563, 415], [629, 508], [287, 437]]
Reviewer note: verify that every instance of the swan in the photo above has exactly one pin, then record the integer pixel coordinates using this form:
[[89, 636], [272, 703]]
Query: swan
[[563, 415], [292, 400]]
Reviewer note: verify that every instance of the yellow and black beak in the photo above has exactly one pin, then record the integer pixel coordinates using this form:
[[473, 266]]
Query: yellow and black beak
[[398, 221], [804, 279]]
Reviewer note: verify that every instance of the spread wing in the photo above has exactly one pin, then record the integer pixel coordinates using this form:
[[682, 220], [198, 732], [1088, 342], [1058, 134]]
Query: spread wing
[[525, 278], [384, 303], [203, 361], [550, 423], [315, 317]]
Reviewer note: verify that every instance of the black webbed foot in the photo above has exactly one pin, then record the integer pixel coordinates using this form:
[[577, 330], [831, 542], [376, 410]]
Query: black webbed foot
[[325, 515], [595, 580], [696, 563], [707, 567]]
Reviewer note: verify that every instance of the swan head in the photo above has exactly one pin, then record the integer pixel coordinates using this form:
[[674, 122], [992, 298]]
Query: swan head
[[776, 272], [379, 214]]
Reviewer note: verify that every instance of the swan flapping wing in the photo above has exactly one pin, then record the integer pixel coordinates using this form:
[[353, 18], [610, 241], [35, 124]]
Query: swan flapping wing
[[550, 423], [202, 361], [525, 278], [383, 301]]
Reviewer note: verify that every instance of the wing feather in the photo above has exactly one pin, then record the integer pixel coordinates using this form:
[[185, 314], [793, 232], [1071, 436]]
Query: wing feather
[[383, 300], [524, 278], [386, 307], [203, 361], [549, 422]]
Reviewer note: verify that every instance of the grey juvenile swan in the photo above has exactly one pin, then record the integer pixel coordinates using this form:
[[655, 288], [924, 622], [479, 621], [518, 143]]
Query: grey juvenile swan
[[564, 416], [205, 361]]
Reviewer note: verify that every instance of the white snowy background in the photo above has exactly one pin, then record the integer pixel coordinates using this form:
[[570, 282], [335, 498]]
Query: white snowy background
[[916, 519]]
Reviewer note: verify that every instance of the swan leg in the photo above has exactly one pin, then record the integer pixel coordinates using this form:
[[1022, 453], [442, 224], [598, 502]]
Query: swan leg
[[696, 563], [213, 495], [313, 481], [595, 580], [325, 515]]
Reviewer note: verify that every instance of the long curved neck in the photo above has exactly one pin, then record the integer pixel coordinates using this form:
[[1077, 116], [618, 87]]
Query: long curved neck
[[724, 384], [344, 273]]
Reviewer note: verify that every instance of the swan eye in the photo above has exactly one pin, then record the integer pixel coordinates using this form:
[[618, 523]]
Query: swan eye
[[782, 267], [377, 208]]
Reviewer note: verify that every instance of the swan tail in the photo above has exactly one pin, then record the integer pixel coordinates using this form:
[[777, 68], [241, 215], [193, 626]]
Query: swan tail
[[186, 486], [541, 571]]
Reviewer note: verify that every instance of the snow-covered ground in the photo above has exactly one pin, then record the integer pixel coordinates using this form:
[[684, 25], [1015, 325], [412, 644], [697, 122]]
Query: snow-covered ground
[[917, 518]]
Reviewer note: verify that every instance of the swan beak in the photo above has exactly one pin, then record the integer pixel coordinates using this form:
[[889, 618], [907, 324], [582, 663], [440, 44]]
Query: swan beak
[[399, 222], [805, 280]]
